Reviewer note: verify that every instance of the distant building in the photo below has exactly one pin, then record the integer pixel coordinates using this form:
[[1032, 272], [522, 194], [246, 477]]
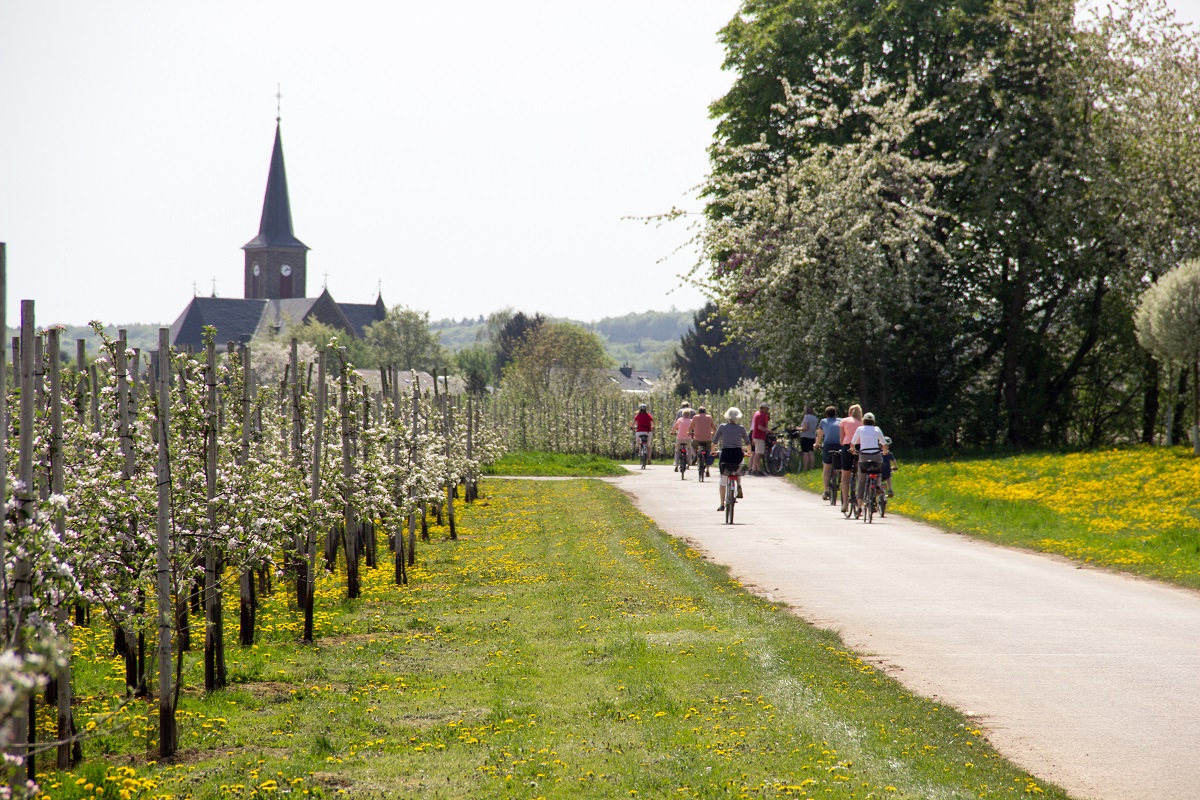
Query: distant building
[[275, 285], [632, 380]]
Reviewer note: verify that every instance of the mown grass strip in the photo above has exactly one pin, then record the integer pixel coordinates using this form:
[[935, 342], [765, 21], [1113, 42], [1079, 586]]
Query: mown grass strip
[[562, 647], [537, 463], [1133, 509]]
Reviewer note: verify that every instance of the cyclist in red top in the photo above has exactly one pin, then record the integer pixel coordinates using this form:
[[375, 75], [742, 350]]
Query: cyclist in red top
[[643, 426]]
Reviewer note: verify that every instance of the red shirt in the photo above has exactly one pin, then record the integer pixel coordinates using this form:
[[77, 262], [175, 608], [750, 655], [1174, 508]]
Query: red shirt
[[643, 422], [759, 424]]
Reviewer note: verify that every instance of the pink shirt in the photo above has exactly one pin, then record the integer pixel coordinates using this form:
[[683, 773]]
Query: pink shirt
[[848, 426], [703, 428], [681, 429], [758, 424]]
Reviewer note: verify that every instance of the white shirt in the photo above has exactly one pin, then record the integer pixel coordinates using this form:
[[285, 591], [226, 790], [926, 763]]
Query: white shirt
[[869, 439]]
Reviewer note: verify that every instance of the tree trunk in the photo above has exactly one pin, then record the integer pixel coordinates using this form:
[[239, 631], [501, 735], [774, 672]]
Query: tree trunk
[[167, 731]]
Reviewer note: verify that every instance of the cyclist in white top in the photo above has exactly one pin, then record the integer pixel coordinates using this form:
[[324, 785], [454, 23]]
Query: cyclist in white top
[[871, 444]]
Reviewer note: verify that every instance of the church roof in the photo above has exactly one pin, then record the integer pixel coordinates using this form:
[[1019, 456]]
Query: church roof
[[235, 319], [360, 315], [275, 228]]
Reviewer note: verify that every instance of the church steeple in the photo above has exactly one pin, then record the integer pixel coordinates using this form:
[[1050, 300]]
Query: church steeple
[[276, 261]]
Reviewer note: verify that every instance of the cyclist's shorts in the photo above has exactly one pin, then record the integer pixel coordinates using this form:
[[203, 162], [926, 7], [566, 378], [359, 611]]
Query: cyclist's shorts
[[848, 458], [643, 436], [806, 444], [830, 455], [731, 458], [702, 447]]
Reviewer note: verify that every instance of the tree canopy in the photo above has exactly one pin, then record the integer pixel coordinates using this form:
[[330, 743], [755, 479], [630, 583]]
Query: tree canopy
[[946, 209]]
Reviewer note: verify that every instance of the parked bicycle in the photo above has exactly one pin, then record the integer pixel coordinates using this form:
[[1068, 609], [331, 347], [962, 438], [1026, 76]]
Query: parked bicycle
[[781, 457]]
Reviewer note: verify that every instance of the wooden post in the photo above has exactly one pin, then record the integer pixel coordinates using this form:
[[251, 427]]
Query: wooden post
[[293, 369], [415, 461], [128, 465], [247, 601], [349, 511], [63, 677], [318, 435], [451, 480], [167, 730], [24, 721], [214, 644]]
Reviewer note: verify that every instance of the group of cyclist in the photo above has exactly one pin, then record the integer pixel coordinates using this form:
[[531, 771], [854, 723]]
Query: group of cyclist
[[696, 434], [849, 445]]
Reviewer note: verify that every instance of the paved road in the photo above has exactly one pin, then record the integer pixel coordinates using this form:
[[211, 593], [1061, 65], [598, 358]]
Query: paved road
[[1086, 679]]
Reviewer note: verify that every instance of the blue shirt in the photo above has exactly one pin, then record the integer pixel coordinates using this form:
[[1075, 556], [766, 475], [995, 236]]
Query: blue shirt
[[833, 434]]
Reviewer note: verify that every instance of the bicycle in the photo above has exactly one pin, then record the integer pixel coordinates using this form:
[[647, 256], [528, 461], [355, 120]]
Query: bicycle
[[703, 459], [777, 458], [833, 483], [732, 485], [874, 496], [791, 451], [644, 450], [851, 507], [683, 460]]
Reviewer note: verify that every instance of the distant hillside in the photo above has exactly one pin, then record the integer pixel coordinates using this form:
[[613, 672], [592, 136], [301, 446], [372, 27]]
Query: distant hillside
[[644, 341], [141, 337]]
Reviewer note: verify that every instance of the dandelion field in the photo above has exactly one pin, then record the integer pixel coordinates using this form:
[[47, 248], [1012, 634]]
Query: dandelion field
[[1135, 509], [563, 646]]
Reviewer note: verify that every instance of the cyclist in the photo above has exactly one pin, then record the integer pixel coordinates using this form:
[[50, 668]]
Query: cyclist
[[890, 465], [808, 437], [681, 430], [643, 426], [829, 437], [731, 438], [760, 423], [701, 432], [847, 427], [870, 444]]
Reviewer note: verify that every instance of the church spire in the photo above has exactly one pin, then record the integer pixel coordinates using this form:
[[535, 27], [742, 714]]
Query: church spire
[[275, 228], [276, 261]]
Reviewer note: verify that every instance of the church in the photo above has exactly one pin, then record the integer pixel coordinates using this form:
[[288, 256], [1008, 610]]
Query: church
[[276, 282]]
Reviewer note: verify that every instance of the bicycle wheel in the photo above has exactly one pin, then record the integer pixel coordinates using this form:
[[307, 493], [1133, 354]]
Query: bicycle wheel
[[645, 454], [683, 465], [730, 501], [833, 488], [869, 502], [776, 460]]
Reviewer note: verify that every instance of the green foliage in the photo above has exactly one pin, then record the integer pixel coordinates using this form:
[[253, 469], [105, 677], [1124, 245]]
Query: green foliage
[[937, 207], [404, 340], [475, 364], [318, 334], [707, 360], [555, 356]]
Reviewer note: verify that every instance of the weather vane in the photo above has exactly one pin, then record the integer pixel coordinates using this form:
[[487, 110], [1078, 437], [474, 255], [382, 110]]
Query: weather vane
[[278, 101]]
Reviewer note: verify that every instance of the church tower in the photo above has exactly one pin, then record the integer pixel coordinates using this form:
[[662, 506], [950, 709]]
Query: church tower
[[276, 261]]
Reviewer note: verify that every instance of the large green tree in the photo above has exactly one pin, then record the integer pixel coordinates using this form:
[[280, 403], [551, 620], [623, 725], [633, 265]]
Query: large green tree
[[707, 359], [403, 339], [974, 190], [556, 357]]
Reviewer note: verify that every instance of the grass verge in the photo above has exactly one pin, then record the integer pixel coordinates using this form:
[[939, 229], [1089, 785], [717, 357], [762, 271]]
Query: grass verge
[[1132, 509], [562, 647], [535, 463]]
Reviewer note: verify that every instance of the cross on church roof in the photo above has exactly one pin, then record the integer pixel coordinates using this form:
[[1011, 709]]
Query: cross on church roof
[[278, 101]]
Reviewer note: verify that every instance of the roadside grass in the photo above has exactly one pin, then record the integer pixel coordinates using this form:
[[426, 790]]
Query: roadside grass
[[534, 463], [563, 646], [537, 463], [1133, 509]]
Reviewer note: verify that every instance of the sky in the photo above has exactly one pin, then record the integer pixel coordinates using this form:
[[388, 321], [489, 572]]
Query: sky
[[459, 158]]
